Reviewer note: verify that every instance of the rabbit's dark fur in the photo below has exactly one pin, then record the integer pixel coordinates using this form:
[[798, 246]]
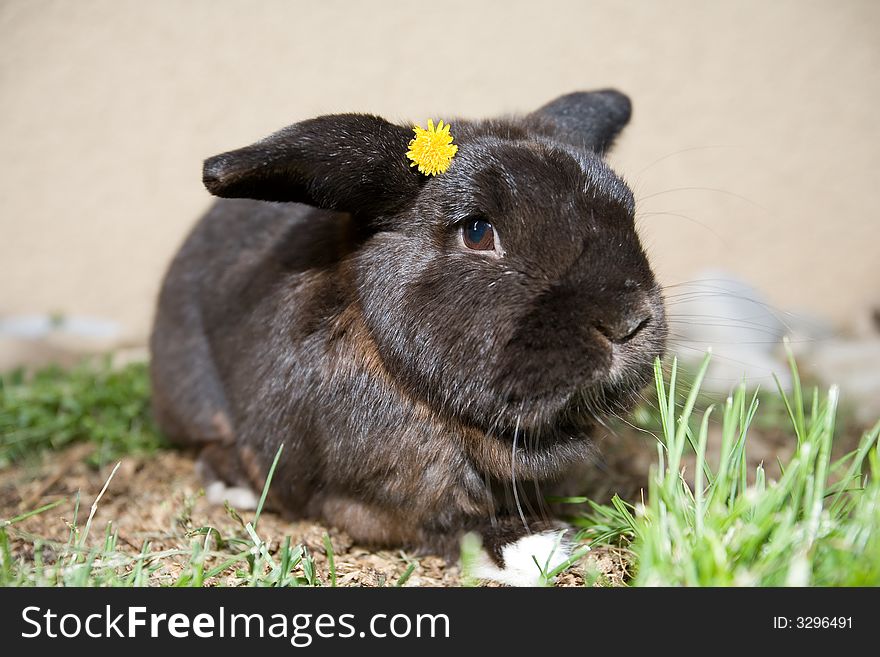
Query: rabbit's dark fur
[[346, 320]]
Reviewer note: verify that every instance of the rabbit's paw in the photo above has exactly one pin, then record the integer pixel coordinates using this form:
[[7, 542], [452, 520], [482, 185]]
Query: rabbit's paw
[[526, 561]]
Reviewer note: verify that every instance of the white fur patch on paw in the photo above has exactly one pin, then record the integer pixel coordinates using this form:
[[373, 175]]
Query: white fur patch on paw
[[238, 497], [549, 549]]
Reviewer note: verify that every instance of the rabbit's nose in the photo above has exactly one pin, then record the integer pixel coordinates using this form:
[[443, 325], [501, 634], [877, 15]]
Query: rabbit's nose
[[624, 328]]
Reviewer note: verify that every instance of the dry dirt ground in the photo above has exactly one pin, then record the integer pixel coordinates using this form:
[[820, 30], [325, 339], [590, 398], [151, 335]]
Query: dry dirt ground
[[159, 498]]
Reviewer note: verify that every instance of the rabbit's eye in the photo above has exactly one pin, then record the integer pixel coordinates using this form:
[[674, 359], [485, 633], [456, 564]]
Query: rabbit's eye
[[478, 235]]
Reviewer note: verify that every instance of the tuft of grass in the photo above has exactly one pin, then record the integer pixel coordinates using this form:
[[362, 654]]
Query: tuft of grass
[[54, 407], [817, 525], [245, 559]]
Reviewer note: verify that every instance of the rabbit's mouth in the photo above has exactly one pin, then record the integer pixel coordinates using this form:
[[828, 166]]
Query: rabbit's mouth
[[589, 405], [599, 377]]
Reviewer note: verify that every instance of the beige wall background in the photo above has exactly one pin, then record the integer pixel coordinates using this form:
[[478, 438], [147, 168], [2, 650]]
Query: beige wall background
[[753, 146]]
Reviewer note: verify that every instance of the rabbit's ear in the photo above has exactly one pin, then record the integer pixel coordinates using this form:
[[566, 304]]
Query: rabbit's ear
[[586, 119], [349, 162]]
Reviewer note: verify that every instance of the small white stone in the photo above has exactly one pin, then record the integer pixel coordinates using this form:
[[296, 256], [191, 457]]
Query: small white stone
[[238, 497]]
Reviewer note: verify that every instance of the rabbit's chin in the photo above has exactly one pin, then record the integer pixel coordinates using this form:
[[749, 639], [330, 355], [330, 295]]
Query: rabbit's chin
[[579, 408]]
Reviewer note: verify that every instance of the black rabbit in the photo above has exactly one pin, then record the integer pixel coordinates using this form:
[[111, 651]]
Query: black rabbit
[[426, 348]]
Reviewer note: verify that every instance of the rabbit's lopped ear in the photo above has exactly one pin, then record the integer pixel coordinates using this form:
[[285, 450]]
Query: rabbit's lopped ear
[[348, 162], [586, 119]]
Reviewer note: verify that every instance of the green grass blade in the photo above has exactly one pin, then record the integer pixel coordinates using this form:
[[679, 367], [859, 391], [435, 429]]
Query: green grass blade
[[330, 560], [266, 486]]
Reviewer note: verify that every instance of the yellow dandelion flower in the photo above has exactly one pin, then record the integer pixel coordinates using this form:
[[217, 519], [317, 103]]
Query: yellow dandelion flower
[[431, 150]]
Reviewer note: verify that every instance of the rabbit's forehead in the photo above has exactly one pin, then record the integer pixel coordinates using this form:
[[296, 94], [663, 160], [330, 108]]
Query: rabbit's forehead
[[541, 182]]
